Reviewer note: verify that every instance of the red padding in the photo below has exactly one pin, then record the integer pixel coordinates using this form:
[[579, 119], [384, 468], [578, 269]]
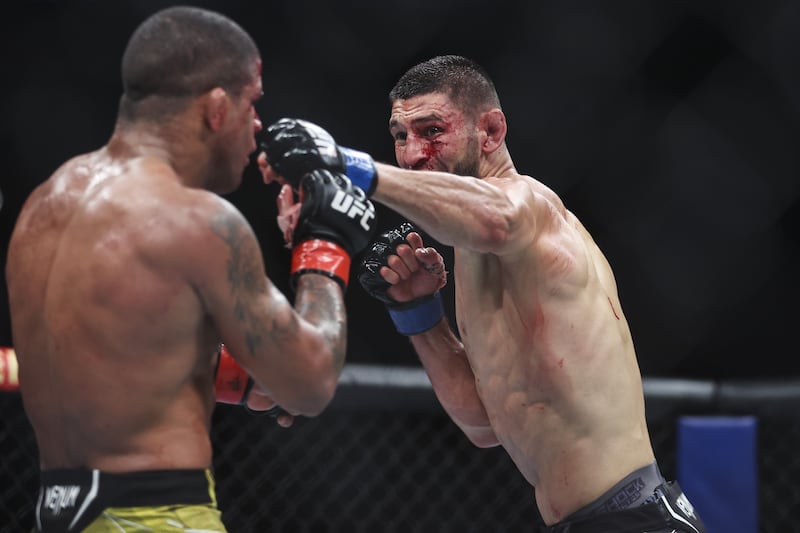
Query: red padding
[[324, 257], [232, 382], [9, 370]]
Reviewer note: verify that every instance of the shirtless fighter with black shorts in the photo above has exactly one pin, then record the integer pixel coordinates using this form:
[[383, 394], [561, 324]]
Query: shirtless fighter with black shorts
[[544, 364]]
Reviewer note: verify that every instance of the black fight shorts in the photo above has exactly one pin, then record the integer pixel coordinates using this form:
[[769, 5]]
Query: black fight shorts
[[668, 512]]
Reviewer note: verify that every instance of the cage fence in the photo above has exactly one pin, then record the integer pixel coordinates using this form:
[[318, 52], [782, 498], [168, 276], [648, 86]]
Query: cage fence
[[385, 457]]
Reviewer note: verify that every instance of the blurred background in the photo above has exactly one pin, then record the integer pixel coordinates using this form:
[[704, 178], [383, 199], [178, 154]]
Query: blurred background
[[670, 128]]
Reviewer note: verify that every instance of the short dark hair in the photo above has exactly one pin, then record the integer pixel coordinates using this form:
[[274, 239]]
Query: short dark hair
[[462, 79], [181, 52]]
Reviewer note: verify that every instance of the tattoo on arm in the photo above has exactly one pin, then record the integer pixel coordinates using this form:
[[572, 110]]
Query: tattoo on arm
[[319, 300], [246, 275]]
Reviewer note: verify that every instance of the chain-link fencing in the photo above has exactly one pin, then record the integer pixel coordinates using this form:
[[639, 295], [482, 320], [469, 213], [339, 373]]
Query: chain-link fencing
[[385, 458]]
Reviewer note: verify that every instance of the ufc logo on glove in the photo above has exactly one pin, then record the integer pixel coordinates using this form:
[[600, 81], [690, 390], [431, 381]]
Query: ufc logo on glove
[[347, 204]]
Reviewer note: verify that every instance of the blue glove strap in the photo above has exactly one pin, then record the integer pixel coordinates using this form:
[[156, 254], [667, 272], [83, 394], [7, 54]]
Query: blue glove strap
[[360, 169], [421, 316]]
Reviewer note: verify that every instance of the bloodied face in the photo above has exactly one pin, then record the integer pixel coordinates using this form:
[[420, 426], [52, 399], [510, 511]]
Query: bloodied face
[[431, 133]]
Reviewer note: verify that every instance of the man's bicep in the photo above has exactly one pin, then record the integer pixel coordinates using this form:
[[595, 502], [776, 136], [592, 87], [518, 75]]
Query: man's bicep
[[527, 216], [237, 294]]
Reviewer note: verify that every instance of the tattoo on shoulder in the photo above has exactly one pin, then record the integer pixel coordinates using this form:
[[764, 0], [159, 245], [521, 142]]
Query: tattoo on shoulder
[[245, 270]]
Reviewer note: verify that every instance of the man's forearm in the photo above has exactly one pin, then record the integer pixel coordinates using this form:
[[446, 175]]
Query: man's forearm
[[443, 357], [456, 211]]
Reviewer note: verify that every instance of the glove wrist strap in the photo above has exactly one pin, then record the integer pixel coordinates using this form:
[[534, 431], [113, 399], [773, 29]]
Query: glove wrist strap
[[321, 257], [232, 383], [417, 316], [360, 168]]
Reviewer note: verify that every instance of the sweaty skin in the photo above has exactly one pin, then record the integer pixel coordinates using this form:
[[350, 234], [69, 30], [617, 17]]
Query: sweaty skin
[[124, 273], [545, 365]]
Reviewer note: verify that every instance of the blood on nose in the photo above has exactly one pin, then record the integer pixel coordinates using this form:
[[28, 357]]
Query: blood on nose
[[430, 150], [419, 151]]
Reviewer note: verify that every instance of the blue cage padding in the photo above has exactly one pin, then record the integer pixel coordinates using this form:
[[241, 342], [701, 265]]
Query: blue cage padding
[[717, 469]]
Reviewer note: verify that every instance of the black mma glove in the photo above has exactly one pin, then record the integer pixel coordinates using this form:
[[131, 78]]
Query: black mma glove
[[336, 221], [295, 147], [412, 317]]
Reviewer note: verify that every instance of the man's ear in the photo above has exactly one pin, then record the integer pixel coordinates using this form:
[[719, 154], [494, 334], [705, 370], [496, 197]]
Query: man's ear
[[493, 130], [216, 108]]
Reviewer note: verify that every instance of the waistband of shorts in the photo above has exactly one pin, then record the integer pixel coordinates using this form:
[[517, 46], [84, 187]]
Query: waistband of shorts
[[642, 518], [664, 511], [633, 490], [138, 489]]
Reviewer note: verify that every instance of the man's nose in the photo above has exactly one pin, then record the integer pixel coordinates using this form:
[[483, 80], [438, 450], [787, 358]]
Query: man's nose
[[415, 154]]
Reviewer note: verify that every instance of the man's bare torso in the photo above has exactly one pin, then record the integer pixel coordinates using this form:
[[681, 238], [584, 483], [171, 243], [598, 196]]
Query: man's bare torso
[[554, 361], [115, 356]]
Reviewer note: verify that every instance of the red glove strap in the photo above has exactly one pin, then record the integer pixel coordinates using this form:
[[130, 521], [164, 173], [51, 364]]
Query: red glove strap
[[322, 257], [9, 376], [232, 382]]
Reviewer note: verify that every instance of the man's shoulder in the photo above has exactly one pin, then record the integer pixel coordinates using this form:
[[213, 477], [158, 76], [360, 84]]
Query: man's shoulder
[[193, 216]]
